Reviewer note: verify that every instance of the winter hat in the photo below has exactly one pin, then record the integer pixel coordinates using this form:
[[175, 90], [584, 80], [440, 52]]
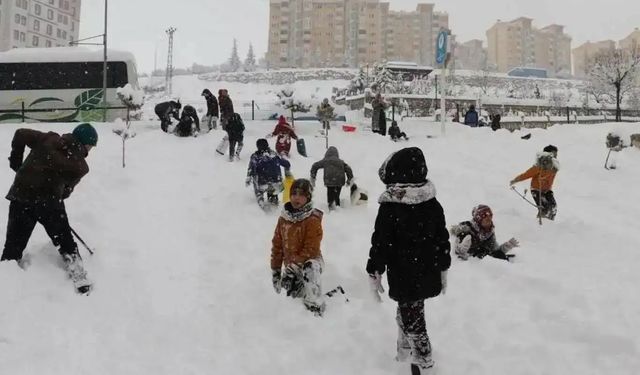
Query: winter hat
[[302, 185], [481, 211], [86, 134], [550, 148], [206, 92], [262, 144], [406, 166], [282, 120]]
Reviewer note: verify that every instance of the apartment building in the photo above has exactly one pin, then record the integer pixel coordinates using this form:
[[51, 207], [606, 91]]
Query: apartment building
[[511, 44], [553, 51], [471, 55], [38, 23], [632, 41], [312, 33], [584, 54]]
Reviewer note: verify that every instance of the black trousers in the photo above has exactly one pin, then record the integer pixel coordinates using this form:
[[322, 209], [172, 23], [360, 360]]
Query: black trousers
[[547, 203], [333, 195], [412, 332], [23, 218], [235, 146]]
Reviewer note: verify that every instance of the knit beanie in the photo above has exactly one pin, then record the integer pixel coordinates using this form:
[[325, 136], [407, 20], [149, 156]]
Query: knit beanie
[[302, 185], [262, 144], [406, 166], [481, 211], [86, 134]]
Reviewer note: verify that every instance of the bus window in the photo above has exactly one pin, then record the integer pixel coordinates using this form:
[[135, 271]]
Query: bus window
[[58, 76]]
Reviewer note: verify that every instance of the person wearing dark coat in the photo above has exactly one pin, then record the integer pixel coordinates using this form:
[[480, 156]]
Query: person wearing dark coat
[[379, 117], [189, 124], [395, 133], [235, 133], [212, 109], [226, 107], [335, 170], [471, 117], [411, 243], [165, 111], [264, 173], [495, 122], [48, 176]]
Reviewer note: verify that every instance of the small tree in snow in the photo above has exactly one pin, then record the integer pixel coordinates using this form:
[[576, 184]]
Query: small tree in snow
[[133, 100], [250, 61], [384, 78], [234, 60], [616, 70], [557, 100], [287, 100]]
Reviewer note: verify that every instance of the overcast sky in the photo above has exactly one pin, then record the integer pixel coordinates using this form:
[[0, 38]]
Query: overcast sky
[[206, 28]]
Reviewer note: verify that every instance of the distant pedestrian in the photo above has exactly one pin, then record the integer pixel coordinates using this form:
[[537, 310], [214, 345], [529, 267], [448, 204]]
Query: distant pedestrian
[[471, 117], [212, 110]]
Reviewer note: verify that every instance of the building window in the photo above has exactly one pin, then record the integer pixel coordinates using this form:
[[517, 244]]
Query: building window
[[66, 5], [60, 4], [51, 2], [59, 18], [64, 34], [59, 34], [23, 20], [38, 9], [23, 36], [49, 29], [16, 34], [35, 41], [49, 14], [36, 25], [17, 18]]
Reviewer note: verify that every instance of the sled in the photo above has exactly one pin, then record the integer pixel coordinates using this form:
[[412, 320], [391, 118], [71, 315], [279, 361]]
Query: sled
[[286, 193], [302, 148], [349, 128]]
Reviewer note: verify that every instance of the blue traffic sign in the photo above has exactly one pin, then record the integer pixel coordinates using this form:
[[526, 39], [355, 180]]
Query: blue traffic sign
[[441, 47]]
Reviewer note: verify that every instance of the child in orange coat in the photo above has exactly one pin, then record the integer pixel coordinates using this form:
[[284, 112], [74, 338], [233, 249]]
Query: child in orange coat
[[542, 175], [296, 246]]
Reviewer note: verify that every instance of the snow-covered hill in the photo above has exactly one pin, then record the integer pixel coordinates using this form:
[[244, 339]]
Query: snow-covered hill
[[182, 280]]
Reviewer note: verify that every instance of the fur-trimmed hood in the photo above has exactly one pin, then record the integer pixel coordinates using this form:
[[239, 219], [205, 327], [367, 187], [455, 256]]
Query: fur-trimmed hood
[[408, 193], [546, 161]]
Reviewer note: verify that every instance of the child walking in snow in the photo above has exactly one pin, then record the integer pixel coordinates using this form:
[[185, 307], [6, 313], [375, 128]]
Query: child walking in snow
[[283, 133], [542, 175], [264, 173], [296, 246], [410, 241], [335, 170], [477, 237]]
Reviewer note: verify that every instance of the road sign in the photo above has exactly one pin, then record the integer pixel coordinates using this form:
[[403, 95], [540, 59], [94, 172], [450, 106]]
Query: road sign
[[441, 47]]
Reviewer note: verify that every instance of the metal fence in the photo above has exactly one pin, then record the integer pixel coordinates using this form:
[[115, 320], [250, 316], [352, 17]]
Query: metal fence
[[21, 113]]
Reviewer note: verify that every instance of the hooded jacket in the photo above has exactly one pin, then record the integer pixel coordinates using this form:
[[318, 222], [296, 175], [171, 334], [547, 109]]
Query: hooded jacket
[[334, 169], [542, 173], [410, 239], [226, 105], [212, 103], [297, 236], [52, 169]]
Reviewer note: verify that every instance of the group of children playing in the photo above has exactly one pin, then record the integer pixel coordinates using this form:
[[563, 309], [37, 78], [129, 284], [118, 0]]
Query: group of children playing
[[410, 241]]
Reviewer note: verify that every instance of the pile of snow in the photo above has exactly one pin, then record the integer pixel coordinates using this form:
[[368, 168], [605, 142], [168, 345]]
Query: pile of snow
[[130, 97], [183, 286], [283, 76]]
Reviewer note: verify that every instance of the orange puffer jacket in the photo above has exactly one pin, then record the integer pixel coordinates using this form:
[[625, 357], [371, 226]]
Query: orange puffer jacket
[[296, 239], [541, 179]]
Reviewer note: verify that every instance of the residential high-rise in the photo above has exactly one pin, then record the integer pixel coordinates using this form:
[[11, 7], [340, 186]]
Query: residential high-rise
[[310, 33], [511, 44], [553, 51], [471, 55], [632, 41], [38, 23], [584, 54]]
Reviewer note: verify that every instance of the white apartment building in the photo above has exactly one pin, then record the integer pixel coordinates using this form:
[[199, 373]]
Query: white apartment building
[[38, 23]]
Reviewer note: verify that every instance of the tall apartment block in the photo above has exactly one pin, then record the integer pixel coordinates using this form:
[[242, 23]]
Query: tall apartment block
[[518, 44], [38, 23], [312, 33]]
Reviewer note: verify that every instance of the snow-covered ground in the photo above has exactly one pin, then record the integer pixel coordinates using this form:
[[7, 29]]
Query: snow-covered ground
[[182, 280]]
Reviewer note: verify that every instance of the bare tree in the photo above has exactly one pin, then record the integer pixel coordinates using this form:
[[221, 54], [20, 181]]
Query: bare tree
[[615, 69]]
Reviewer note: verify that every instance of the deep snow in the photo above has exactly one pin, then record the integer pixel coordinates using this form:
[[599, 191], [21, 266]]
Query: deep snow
[[182, 280]]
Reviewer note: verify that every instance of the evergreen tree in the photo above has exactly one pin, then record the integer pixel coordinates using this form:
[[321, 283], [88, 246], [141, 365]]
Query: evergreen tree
[[250, 61], [234, 60]]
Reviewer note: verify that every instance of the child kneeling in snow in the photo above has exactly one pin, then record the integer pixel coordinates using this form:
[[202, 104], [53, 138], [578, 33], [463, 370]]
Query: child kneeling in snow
[[395, 133], [296, 245], [542, 175], [477, 237]]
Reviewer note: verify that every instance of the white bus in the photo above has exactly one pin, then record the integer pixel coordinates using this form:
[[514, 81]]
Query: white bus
[[62, 84]]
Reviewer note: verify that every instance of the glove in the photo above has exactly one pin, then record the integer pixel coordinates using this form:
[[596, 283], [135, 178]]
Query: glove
[[275, 280], [15, 161], [462, 249], [512, 182], [507, 246], [287, 173], [375, 282], [248, 181], [443, 281]]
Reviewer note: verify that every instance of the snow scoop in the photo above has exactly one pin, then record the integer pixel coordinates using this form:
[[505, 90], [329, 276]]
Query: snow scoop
[[81, 241], [606, 162], [335, 291]]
